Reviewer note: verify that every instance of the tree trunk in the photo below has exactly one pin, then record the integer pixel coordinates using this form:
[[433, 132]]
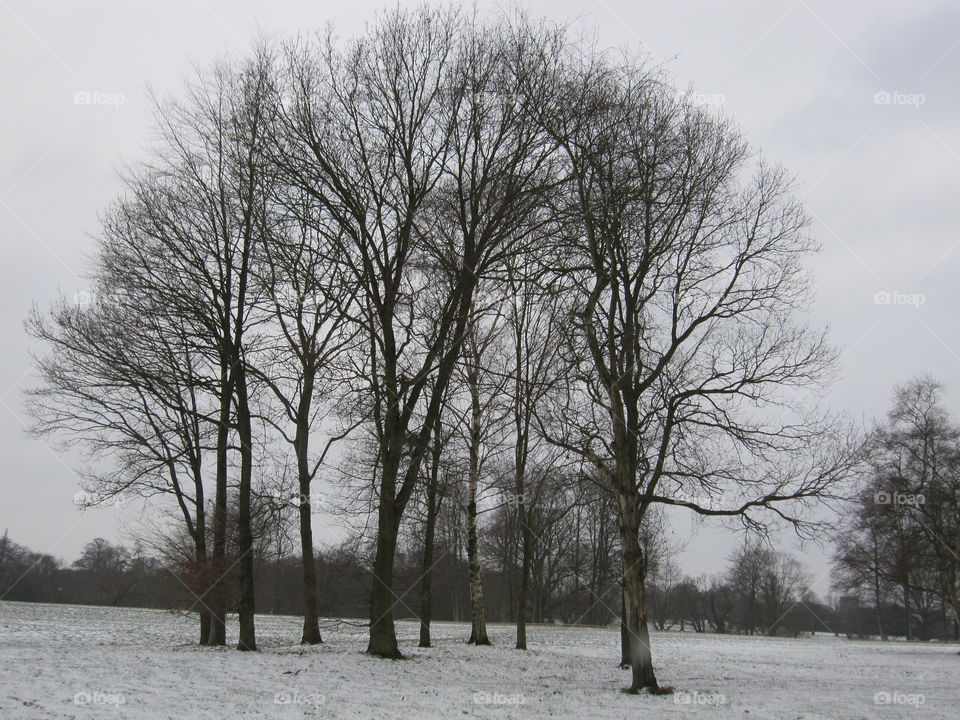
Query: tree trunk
[[524, 591], [907, 615], [200, 550], [201, 556], [248, 636], [426, 579], [383, 636], [311, 622], [217, 569], [878, 608], [640, 655], [624, 633], [478, 629]]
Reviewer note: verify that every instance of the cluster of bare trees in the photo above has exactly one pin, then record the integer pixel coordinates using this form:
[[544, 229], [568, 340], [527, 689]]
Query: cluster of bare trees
[[490, 258], [764, 591], [899, 550]]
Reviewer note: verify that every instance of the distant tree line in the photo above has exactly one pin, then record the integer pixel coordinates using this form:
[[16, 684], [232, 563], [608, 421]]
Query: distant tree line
[[761, 592]]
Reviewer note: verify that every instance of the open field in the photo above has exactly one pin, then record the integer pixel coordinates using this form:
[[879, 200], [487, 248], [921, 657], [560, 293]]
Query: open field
[[61, 661]]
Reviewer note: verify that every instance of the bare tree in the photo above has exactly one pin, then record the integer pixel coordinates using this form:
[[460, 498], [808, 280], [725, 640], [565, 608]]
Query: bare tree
[[532, 369], [683, 281], [188, 240], [301, 364], [436, 489], [481, 425], [411, 140], [123, 384]]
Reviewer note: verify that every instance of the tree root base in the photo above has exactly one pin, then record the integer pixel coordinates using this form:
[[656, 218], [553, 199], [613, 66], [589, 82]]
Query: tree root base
[[388, 655], [657, 690]]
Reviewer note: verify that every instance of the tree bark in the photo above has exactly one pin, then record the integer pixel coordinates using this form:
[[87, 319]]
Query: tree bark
[[907, 614], [478, 628], [383, 636], [426, 579], [624, 632], [202, 569], [526, 546], [634, 570], [248, 637], [217, 569], [311, 622]]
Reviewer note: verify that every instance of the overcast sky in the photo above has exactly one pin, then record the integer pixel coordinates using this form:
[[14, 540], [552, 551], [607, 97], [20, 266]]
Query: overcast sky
[[859, 99]]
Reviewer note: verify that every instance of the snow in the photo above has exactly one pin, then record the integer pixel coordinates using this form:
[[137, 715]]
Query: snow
[[61, 661]]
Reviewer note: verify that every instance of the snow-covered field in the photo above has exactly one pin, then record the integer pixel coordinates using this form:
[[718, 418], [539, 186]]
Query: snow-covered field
[[61, 661]]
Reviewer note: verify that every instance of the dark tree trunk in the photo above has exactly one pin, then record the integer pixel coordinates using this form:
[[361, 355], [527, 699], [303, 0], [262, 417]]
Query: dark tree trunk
[[311, 622], [878, 609], [907, 614], [248, 636], [526, 545], [426, 580], [217, 569], [201, 555], [624, 633], [383, 636], [634, 570], [200, 547]]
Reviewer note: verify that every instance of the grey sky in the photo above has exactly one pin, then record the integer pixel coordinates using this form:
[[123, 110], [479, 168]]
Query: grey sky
[[859, 99]]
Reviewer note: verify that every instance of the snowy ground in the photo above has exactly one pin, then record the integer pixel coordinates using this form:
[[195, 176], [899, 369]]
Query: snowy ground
[[60, 661]]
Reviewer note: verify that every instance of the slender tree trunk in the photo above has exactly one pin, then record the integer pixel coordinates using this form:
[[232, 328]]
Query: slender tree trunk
[[877, 607], [200, 546], [426, 579], [311, 622], [624, 632], [907, 615], [433, 509], [248, 636], [526, 545], [478, 629], [217, 569], [202, 570]]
